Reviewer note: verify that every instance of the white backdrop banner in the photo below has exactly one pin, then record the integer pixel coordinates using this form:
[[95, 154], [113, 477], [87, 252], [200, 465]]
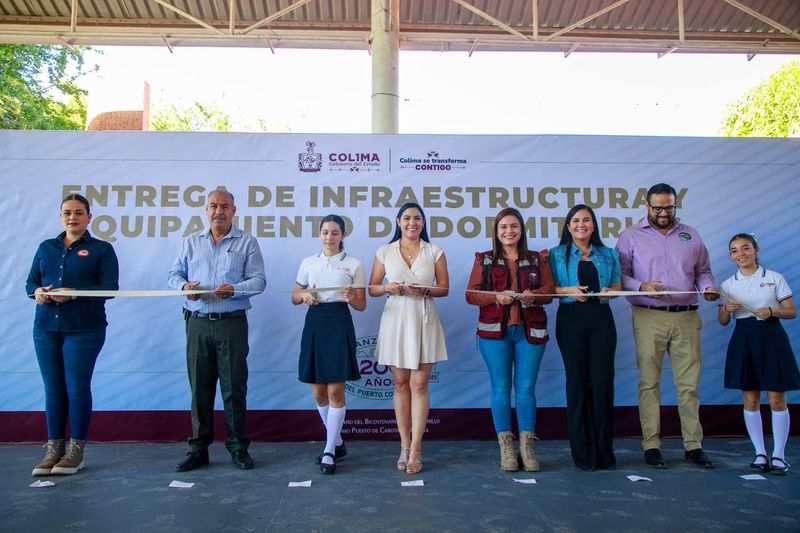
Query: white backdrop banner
[[148, 190]]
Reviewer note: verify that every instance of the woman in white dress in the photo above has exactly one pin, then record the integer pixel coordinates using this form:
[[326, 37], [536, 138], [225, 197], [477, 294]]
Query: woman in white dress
[[411, 271]]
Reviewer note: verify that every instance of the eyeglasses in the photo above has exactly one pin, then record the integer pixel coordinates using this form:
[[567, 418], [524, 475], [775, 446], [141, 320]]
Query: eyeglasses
[[669, 209]]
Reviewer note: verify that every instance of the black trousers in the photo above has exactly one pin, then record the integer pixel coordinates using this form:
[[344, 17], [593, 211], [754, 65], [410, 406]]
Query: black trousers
[[216, 350], [587, 338]]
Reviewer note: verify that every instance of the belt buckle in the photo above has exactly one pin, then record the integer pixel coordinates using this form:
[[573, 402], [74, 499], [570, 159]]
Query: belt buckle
[[214, 316]]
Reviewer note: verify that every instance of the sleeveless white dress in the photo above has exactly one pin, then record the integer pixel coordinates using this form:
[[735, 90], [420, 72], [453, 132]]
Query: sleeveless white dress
[[410, 331]]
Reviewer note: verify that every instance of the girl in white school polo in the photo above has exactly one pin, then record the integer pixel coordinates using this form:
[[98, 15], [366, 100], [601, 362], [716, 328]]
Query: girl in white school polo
[[328, 345], [760, 356]]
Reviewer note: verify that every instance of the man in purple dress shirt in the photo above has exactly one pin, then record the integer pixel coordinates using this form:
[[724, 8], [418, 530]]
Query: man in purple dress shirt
[[660, 253]]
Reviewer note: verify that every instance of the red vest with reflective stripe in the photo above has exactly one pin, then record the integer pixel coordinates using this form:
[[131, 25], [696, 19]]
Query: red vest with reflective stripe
[[493, 319]]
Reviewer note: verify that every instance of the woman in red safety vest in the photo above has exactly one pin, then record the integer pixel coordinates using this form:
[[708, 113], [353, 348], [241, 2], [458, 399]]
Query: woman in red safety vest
[[512, 331]]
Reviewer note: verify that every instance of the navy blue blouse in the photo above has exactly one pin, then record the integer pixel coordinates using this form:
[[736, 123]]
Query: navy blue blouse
[[87, 264]]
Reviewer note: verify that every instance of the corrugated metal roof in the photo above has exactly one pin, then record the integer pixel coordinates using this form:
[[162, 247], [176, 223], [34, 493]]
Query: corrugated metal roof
[[637, 25]]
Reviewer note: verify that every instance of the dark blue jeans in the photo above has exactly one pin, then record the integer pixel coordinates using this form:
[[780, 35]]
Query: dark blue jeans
[[512, 360], [66, 362]]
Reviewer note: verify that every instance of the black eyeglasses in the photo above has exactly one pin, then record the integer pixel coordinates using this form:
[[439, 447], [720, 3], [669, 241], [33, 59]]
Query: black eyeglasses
[[669, 209]]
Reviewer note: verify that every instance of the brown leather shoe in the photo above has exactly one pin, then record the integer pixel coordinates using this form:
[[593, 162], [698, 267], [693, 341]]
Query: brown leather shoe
[[72, 461], [55, 451]]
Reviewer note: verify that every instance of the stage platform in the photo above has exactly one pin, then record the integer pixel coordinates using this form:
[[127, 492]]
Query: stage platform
[[124, 487]]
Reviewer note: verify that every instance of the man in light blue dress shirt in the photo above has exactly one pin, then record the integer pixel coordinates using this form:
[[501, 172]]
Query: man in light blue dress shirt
[[229, 262]]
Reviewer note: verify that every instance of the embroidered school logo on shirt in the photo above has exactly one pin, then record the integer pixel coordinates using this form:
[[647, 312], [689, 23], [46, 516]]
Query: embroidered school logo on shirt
[[685, 236], [766, 284], [83, 253]]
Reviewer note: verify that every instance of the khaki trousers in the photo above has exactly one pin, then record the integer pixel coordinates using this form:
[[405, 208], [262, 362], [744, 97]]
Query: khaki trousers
[[655, 333]]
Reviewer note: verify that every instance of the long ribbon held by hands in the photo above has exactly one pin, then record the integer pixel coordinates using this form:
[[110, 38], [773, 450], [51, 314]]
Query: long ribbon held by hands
[[607, 294], [166, 293], [77, 293], [513, 294]]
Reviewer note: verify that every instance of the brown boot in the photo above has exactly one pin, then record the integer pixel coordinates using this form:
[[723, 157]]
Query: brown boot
[[508, 457], [526, 453], [72, 460], [55, 451]]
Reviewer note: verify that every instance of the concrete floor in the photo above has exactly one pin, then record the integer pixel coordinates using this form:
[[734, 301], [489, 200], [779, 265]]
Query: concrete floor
[[124, 487]]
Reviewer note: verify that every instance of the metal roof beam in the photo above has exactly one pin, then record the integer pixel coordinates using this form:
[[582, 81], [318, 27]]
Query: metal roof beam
[[277, 15], [535, 19], [167, 43], [763, 18], [186, 15], [493, 20], [584, 20], [681, 22], [73, 16]]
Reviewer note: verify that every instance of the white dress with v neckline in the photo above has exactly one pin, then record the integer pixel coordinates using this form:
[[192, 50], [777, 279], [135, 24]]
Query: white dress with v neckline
[[410, 331]]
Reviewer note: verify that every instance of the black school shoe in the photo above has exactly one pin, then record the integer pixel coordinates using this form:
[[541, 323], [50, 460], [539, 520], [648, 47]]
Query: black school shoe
[[328, 468], [755, 466], [698, 458], [338, 453], [780, 469]]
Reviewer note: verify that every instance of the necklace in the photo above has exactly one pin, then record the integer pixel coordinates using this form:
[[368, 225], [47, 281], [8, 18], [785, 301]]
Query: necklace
[[409, 255]]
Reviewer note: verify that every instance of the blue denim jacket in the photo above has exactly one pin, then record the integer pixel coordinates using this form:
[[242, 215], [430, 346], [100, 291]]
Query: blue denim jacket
[[88, 264], [606, 261]]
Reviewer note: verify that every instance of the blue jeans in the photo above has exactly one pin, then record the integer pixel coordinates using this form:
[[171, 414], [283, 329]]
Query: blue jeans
[[66, 362], [512, 354]]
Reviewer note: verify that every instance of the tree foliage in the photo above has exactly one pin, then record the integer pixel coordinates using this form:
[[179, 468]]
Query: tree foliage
[[195, 117], [200, 116], [771, 109], [38, 87]]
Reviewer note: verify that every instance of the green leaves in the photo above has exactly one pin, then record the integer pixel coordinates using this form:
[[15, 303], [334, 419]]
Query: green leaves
[[772, 109], [195, 117], [38, 87]]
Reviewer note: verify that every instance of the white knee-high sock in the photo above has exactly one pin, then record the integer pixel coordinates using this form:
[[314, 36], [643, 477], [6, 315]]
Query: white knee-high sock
[[334, 427], [323, 413], [752, 420], [780, 432]]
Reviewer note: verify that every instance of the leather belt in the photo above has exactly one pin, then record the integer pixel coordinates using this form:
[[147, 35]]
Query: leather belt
[[671, 308], [213, 316]]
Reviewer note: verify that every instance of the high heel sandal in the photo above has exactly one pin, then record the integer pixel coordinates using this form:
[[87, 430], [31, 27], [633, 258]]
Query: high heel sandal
[[402, 461], [414, 462]]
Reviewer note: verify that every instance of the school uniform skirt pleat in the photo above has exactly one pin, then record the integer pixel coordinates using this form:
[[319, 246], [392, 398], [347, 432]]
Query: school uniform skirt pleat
[[760, 357], [328, 345]]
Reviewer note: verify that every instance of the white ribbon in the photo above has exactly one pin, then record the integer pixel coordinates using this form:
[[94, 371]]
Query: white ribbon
[[129, 294]]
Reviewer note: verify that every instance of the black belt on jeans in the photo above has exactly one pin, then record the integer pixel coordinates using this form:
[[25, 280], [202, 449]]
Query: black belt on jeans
[[671, 308], [214, 316]]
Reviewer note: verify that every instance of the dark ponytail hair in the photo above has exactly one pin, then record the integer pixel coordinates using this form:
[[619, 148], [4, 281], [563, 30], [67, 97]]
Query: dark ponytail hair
[[748, 237], [410, 205], [339, 222]]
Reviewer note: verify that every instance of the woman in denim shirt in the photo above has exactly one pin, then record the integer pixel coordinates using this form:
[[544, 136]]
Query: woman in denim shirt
[[587, 336], [69, 332]]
